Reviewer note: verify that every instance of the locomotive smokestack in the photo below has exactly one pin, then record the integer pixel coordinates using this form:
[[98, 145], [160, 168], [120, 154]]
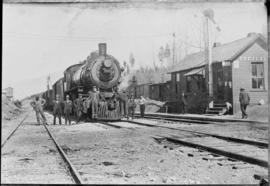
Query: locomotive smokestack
[[102, 48]]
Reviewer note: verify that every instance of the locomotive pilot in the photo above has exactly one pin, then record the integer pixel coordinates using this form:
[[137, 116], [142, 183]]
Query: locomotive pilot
[[78, 104], [67, 109], [37, 105], [57, 109]]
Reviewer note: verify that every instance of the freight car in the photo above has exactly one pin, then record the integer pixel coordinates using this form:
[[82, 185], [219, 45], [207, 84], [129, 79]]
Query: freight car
[[157, 91], [100, 70]]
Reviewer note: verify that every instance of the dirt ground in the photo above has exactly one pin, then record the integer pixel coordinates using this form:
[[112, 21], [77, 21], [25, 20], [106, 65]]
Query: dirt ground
[[129, 155], [251, 131]]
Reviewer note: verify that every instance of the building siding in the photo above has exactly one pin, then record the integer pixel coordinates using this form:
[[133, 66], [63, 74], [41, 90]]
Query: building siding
[[242, 75]]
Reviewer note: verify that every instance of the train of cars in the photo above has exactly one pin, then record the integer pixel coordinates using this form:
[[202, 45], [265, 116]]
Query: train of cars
[[100, 70]]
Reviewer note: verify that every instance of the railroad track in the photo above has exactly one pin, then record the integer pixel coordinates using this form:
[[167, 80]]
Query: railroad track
[[72, 171], [227, 138], [228, 147], [14, 130], [200, 120], [174, 119]]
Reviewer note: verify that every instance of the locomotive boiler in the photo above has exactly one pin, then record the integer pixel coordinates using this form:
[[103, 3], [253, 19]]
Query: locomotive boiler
[[99, 69]]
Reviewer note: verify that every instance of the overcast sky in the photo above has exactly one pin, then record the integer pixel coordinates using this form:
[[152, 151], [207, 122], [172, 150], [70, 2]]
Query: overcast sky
[[45, 39]]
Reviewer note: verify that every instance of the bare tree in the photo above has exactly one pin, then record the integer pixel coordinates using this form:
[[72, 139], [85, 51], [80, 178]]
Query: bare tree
[[167, 52], [131, 60]]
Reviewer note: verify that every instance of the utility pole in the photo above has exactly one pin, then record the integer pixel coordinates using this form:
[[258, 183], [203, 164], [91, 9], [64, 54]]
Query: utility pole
[[48, 82], [173, 49], [208, 51]]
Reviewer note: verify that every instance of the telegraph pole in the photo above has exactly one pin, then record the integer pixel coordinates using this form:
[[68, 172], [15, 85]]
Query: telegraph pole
[[48, 82], [208, 54], [173, 48]]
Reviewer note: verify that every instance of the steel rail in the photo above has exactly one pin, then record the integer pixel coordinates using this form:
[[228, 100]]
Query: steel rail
[[227, 138], [220, 152], [179, 119], [74, 173], [207, 120], [109, 124], [9, 136]]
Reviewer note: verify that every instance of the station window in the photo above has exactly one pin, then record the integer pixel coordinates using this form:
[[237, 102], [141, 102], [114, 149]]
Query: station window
[[257, 75]]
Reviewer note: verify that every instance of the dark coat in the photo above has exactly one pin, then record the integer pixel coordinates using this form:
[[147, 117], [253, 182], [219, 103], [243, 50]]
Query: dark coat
[[131, 103], [57, 107], [68, 107], [78, 103], [244, 98]]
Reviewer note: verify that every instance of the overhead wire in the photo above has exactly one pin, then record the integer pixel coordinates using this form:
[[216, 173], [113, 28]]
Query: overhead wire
[[88, 38]]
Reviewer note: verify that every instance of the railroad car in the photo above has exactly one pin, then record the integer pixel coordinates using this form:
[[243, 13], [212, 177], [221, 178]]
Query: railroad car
[[100, 70], [158, 91]]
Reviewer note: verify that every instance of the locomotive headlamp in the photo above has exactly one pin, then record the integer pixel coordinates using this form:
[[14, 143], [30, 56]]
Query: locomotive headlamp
[[107, 63]]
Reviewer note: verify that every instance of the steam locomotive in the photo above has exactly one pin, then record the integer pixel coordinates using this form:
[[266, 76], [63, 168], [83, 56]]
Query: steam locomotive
[[100, 70]]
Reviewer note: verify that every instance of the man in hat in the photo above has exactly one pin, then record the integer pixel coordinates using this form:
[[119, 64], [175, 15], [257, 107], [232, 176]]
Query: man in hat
[[244, 100], [123, 101], [57, 109], [142, 103], [67, 109], [78, 104], [131, 106], [94, 97], [37, 105]]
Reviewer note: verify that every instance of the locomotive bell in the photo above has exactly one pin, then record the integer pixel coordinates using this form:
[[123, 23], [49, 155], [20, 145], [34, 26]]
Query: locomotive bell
[[102, 48]]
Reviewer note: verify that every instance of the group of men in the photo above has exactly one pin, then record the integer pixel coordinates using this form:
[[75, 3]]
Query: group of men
[[81, 106], [58, 111], [128, 104]]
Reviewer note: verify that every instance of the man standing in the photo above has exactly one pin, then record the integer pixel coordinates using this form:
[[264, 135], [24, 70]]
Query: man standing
[[142, 102], [131, 106], [78, 104], [244, 100], [67, 109], [57, 109], [123, 98], [184, 103], [94, 97], [37, 105]]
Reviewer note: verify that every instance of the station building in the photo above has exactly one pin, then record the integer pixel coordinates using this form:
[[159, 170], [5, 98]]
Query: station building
[[239, 64], [7, 93]]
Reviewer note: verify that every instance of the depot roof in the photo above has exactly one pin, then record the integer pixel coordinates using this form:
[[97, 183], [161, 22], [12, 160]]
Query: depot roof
[[225, 52]]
